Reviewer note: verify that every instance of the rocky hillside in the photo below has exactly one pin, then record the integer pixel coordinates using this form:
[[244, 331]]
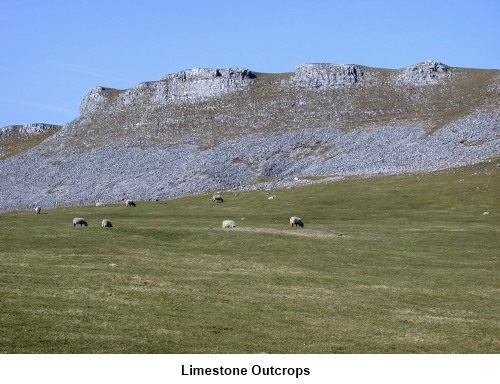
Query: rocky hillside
[[201, 130]]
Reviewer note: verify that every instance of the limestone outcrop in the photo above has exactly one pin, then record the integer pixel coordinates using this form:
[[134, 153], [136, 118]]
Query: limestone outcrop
[[327, 75], [198, 84], [427, 72], [201, 83], [190, 85], [28, 129]]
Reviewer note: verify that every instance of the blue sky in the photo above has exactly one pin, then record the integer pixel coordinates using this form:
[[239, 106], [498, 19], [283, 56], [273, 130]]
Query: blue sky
[[53, 52]]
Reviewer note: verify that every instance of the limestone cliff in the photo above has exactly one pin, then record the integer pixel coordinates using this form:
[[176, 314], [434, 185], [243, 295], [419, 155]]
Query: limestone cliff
[[189, 85]]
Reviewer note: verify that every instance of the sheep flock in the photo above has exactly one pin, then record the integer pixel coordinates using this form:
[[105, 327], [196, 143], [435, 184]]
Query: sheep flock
[[294, 221]]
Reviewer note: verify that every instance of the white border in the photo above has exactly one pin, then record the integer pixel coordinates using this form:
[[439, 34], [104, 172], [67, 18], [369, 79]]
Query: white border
[[134, 369]]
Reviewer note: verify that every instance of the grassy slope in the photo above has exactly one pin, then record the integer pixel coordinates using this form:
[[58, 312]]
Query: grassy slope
[[416, 269], [18, 143]]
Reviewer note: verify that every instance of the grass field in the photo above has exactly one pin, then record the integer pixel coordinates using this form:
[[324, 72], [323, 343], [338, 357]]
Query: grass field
[[390, 264]]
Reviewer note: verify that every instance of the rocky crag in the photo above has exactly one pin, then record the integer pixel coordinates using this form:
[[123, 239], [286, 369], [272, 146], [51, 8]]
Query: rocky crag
[[202, 130]]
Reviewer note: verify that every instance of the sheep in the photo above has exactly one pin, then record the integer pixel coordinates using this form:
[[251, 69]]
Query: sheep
[[217, 198], [99, 204], [129, 203], [79, 220], [294, 220], [38, 209], [106, 223], [228, 224]]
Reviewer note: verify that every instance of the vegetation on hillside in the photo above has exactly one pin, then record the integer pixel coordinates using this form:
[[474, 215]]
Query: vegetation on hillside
[[271, 104]]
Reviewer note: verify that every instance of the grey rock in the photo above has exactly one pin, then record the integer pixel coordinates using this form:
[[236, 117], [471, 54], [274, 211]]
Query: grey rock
[[112, 174], [199, 84], [28, 129], [326, 75], [189, 85], [427, 72]]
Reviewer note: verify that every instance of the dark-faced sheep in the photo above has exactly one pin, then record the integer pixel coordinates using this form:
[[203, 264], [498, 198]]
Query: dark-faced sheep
[[79, 220], [38, 209], [106, 223], [228, 224], [217, 198], [296, 221], [129, 203]]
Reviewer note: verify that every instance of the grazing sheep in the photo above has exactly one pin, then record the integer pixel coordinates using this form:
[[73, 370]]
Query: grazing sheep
[[217, 198], [129, 203], [294, 220], [79, 220], [99, 204], [106, 223], [38, 209], [228, 224]]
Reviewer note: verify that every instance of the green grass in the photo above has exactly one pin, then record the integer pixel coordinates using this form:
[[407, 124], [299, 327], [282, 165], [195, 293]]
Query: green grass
[[399, 264]]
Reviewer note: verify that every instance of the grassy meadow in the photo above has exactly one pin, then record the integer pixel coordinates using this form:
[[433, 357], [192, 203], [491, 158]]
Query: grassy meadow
[[389, 264]]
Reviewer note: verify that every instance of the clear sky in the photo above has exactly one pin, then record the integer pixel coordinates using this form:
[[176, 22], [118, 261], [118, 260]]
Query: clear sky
[[53, 52]]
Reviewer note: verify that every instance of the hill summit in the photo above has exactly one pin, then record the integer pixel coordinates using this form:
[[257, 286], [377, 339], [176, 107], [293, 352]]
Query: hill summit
[[203, 129]]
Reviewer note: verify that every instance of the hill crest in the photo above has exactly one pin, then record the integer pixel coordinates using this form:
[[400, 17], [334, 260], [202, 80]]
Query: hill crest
[[202, 83]]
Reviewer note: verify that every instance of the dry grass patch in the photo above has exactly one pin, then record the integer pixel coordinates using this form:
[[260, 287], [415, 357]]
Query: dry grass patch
[[291, 232]]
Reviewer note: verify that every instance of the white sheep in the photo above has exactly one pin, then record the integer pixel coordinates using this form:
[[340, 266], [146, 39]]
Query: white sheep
[[38, 209], [228, 224], [99, 204], [297, 221], [106, 223], [79, 220], [217, 198], [129, 203]]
